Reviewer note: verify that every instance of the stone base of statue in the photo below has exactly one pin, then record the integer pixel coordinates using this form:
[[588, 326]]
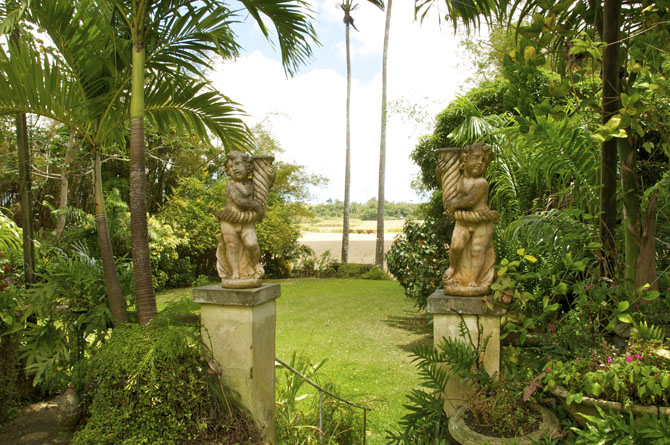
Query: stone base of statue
[[239, 326], [449, 311], [244, 283], [466, 291]]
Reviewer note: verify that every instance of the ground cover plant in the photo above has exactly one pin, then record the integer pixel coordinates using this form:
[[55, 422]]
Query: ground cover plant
[[365, 329]]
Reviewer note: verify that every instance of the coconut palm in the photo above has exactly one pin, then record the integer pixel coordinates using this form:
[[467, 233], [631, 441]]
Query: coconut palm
[[348, 6], [171, 38]]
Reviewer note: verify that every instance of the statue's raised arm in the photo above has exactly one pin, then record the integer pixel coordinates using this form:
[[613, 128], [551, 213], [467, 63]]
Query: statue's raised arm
[[460, 172]]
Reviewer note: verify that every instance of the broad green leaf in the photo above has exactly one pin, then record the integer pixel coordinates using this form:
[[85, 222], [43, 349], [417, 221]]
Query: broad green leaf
[[625, 318]]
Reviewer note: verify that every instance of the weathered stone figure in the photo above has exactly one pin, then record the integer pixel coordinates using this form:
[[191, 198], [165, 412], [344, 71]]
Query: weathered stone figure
[[465, 198], [238, 253]]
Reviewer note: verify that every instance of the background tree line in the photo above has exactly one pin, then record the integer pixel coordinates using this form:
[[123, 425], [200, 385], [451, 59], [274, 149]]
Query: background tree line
[[365, 211]]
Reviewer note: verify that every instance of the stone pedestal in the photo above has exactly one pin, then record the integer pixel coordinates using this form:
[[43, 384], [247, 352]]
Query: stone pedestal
[[482, 322], [239, 326]]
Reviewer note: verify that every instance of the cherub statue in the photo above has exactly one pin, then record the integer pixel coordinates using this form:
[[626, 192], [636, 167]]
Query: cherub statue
[[465, 199], [238, 253]]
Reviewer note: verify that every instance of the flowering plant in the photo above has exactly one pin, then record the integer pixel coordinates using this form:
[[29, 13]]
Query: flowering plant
[[640, 375]]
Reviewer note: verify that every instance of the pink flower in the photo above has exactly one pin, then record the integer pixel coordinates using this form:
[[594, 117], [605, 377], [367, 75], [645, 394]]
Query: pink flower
[[629, 359], [609, 360], [551, 328], [549, 357], [577, 359], [588, 286], [637, 356], [548, 369]]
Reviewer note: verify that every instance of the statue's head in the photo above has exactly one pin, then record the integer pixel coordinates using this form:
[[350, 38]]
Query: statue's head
[[238, 165], [476, 158]]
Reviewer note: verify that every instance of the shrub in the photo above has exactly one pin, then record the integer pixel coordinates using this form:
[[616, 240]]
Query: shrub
[[149, 385], [351, 270], [375, 273], [418, 257]]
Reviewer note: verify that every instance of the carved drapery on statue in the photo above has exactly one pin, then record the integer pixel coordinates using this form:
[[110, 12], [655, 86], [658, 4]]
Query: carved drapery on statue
[[460, 172], [238, 253]]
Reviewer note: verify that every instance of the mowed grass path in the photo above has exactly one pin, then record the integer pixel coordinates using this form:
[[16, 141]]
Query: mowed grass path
[[366, 329]]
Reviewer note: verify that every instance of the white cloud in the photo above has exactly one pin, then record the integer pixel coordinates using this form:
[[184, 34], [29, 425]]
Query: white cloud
[[307, 112]]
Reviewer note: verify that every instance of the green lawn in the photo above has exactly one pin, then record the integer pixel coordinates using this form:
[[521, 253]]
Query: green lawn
[[366, 329]]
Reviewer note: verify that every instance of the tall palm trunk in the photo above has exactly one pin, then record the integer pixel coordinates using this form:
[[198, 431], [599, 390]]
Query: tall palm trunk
[[117, 303], [64, 185], [139, 238], [379, 248], [25, 187], [608, 157], [347, 168], [25, 184]]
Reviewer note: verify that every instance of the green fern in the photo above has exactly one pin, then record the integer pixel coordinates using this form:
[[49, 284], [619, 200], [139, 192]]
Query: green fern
[[642, 331], [461, 357]]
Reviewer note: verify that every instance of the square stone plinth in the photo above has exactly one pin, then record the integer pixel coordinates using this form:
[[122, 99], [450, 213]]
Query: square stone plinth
[[449, 311], [239, 325]]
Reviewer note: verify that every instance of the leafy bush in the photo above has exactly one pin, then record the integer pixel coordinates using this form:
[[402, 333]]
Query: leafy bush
[[149, 385], [352, 270], [417, 259], [9, 344], [375, 273], [618, 428], [640, 375], [278, 236], [71, 315], [169, 269], [298, 408], [190, 209]]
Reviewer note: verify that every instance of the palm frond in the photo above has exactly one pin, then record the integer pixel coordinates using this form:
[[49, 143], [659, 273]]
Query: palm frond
[[187, 37], [196, 108], [31, 83], [11, 13], [292, 22], [10, 235], [469, 12]]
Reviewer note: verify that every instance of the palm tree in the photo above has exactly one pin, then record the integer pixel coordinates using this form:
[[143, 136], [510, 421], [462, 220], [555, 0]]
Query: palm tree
[[171, 38], [11, 15], [65, 89], [347, 7], [86, 87], [379, 248]]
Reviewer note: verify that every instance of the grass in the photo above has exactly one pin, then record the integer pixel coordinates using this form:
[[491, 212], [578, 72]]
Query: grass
[[366, 329]]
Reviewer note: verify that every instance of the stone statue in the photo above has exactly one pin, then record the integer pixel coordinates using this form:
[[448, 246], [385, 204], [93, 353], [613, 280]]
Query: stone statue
[[238, 253], [460, 171]]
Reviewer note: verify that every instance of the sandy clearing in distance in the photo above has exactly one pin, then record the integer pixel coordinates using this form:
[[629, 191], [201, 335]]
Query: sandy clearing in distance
[[361, 246]]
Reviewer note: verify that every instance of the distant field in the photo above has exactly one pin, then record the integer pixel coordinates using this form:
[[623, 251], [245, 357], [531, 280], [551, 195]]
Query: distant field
[[334, 225]]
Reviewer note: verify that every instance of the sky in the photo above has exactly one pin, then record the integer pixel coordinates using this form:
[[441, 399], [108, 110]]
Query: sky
[[306, 113]]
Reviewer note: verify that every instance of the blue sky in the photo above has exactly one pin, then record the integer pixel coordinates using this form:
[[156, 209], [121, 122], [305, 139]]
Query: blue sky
[[306, 113]]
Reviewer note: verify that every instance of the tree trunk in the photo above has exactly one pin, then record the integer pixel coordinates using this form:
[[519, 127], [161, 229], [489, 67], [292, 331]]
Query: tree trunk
[[632, 217], [645, 266], [379, 248], [25, 183], [608, 159], [25, 192], [347, 168], [139, 238], [64, 184], [117, 303]]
